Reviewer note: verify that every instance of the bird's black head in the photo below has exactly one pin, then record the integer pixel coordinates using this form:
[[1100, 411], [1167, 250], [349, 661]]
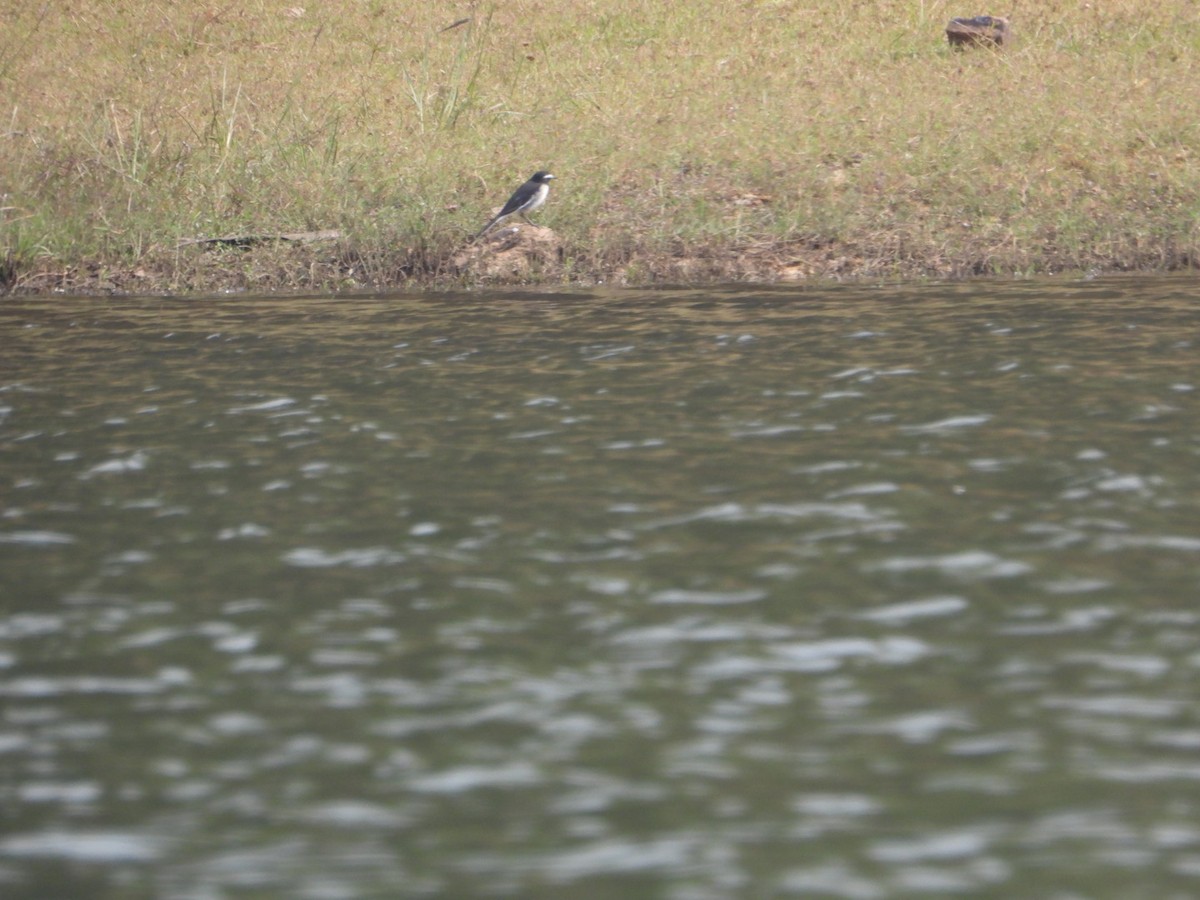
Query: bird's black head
[[540, 177]]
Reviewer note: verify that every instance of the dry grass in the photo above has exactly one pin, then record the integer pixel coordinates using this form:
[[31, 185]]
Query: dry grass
[[691, 140]]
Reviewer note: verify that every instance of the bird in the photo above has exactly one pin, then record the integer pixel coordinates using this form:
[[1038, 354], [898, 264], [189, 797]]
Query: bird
[[525, 199]]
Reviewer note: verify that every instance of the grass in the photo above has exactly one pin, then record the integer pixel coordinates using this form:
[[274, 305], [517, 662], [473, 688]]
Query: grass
[[692, 141]]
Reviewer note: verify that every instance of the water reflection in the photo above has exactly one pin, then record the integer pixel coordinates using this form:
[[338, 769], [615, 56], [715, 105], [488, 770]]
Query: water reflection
[[861, 592]]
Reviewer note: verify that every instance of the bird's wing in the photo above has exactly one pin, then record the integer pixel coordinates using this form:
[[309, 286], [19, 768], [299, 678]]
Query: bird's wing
[[519, 198]]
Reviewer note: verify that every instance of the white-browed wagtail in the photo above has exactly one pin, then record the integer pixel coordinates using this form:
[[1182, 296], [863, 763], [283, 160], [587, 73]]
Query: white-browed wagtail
[[525, 199]]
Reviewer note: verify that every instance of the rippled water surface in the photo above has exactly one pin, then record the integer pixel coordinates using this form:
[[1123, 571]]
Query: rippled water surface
[[861, 592]]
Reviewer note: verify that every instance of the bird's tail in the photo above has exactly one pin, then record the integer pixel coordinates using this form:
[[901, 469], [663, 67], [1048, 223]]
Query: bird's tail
[[488, 227]]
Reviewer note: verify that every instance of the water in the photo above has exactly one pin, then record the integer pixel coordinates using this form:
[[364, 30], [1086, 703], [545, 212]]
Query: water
[[859, 592]]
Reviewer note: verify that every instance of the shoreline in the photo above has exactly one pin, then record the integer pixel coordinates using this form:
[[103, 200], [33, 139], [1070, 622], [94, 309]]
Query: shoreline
[[531, 257], [161, 150]]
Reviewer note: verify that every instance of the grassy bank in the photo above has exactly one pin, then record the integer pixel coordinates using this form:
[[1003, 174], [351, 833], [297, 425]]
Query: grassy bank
[[691, 140]]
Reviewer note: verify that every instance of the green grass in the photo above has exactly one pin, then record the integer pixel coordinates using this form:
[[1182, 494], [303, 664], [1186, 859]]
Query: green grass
[[690, 140]]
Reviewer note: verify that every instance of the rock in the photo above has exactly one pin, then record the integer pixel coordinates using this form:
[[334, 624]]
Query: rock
[[992, 30], [514, 252]]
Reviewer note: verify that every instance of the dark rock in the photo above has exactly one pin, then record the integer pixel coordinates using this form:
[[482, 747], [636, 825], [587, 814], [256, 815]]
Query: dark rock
[[992, 30]]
